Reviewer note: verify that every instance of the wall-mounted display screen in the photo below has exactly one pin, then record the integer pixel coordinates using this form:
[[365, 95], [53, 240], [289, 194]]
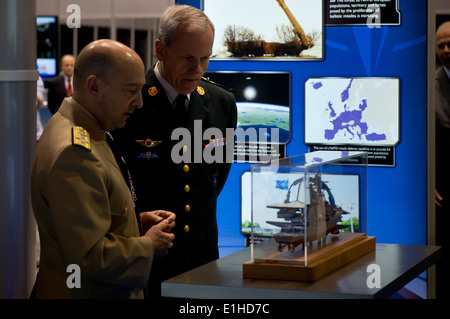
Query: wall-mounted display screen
[[352, 111], [267, 29], [354, 114], [263, 100], [47, 45]]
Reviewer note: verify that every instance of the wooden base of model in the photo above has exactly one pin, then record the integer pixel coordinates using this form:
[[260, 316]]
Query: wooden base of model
[[310, 263]]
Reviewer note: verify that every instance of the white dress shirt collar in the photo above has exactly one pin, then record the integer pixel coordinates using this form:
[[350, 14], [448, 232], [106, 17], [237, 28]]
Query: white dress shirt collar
[[170, 91]]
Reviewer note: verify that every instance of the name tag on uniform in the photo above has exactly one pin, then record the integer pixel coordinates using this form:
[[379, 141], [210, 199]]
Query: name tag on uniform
[[216, 142]]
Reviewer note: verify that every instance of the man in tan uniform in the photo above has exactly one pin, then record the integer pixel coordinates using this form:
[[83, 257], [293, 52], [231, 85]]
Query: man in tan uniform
[[83, 206]]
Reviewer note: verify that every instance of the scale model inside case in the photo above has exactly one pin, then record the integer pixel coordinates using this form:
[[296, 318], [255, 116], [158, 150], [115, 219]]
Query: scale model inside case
[[311, 231]]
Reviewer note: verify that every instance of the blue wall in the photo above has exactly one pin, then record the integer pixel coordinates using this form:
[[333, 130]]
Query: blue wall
[[397, 203]]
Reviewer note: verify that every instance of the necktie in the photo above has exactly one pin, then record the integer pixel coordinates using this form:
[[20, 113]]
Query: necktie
[[180, 108], [69, 89]]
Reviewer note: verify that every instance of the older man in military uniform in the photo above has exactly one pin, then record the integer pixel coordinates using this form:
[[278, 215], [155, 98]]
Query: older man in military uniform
[[83, 206], [185, 176]]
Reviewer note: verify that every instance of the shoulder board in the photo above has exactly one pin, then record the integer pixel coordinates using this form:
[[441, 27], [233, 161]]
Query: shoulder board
[[216, 84], [80, 137]]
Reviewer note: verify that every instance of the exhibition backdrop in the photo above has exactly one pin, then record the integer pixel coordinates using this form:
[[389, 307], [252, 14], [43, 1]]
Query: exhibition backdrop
[[363, 86]]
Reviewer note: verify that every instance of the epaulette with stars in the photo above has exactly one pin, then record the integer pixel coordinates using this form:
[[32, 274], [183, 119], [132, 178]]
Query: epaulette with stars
[[81, 137]]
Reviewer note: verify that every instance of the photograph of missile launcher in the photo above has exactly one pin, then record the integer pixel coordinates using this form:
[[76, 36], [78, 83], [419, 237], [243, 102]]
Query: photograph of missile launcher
[[267, 29]]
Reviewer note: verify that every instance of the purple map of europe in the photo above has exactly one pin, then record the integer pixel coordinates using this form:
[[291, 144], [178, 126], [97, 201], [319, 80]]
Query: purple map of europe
[[360, 111]]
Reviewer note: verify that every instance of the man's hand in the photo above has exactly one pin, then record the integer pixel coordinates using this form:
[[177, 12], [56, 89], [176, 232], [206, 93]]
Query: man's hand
[[149, 219], [162, 239]]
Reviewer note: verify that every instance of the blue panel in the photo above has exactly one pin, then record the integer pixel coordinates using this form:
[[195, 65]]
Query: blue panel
[[397, 203]]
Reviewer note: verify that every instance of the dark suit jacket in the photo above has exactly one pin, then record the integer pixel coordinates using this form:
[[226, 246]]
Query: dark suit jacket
[[56, 93], [442, 134], [442, 98], [442, 174], [162, 184]]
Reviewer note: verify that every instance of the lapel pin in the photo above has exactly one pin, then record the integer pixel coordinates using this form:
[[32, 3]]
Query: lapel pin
[[152, 91], [200, 90]]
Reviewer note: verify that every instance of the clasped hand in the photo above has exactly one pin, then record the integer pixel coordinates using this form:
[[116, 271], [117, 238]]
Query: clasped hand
[[158, 225]]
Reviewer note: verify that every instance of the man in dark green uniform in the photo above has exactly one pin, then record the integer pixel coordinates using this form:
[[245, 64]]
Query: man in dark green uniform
[[178, 151]]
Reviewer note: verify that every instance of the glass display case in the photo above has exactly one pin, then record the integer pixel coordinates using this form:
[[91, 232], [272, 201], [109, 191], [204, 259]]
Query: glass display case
[[307, 206]]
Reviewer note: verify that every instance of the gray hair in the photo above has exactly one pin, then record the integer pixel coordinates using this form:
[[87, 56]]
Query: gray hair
[[181, 14]]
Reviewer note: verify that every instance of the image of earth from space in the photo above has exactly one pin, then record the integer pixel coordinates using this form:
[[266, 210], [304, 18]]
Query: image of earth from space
[[265, 119]]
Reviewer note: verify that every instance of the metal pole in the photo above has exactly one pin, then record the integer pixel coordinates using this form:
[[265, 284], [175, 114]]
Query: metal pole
[[113, 21], [18, 76]]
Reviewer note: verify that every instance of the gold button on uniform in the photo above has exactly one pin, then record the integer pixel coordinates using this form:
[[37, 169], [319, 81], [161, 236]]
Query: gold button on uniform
[[187, 208], [186, 228], [187, 188], [186, 168], [185, 148], [125, 210]]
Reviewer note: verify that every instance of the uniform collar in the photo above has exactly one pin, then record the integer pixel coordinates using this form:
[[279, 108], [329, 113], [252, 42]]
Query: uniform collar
[[72, 110], [170, 91]]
